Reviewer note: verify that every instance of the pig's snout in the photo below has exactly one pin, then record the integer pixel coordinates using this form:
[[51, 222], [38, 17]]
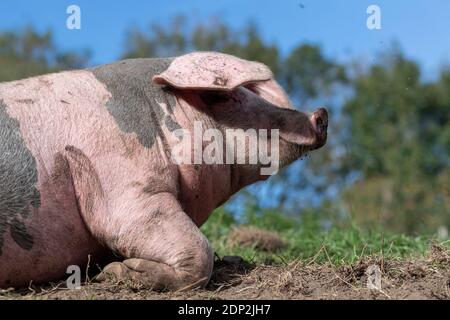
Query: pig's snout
[[319, 121]]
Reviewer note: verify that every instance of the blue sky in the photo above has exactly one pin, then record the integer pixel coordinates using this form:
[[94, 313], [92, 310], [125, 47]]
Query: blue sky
[[421, 27]]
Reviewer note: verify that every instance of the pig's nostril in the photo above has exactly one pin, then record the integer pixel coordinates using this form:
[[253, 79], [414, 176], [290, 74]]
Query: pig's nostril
[[321, 119], [319, 125]]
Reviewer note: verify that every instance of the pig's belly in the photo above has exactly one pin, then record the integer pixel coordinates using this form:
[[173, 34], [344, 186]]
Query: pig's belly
[[58, 238]]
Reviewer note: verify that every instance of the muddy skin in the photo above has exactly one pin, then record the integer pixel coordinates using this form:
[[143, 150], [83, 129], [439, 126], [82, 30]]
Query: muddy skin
[[18, 177], [135, 100]]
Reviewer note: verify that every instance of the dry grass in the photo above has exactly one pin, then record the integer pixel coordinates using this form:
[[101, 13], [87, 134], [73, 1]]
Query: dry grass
[[424, 278]]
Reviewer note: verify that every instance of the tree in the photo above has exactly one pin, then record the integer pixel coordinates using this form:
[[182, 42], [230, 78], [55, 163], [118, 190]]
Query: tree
[[28, 53], [399, 144], [180, 38], [308, 74]]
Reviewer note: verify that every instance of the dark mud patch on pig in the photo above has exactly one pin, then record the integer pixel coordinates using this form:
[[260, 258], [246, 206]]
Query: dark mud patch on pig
[[420, 278], [135, 100], [18, 177]]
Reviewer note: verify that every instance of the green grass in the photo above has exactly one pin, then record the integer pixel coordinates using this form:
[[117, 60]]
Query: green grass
[[307, 240]]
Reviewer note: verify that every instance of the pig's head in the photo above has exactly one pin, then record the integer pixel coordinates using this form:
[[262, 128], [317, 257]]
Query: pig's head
[[229, 93]]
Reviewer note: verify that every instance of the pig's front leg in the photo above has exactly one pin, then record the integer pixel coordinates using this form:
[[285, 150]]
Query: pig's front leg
[[163, 247]]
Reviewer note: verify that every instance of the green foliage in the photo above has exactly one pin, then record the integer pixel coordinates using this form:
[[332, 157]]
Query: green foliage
[[267, 218], [308, 74], [307, 240], [398, 142], [219, 224], [28, 53]]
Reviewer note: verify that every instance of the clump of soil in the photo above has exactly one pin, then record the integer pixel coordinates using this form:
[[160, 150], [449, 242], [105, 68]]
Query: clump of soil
[[439, 254], [249, 236]]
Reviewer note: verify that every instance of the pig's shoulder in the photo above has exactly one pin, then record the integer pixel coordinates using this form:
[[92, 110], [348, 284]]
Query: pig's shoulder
[[136, 103]]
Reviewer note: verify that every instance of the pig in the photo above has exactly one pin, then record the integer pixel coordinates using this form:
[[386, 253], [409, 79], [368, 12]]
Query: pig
[[87, 170]]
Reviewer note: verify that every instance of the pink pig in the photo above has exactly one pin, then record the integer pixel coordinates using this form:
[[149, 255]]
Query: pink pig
[[87, 164]]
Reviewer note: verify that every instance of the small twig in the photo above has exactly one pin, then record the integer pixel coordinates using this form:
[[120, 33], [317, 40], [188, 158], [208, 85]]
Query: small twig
[[88, 280], [243, 289], [53, 289], [382, 252], [192, 285], [219, 288], [31, 288], [382, 292]]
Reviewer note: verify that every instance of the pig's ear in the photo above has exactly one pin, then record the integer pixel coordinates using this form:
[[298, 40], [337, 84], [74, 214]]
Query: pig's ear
[[212, 71]]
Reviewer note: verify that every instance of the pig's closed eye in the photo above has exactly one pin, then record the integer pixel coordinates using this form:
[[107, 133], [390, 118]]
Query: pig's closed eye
[[214, 97], [252, 87]]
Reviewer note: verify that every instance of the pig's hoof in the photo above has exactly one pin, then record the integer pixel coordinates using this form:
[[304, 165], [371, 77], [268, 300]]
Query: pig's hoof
[[148, 274], [138, 273], [113, 271], [120, 272]]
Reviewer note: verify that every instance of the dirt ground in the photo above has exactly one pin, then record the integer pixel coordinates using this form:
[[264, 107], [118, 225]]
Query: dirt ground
[[424, 278]]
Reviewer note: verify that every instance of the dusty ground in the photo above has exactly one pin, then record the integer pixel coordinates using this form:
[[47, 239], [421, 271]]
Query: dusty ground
[[425, 278]]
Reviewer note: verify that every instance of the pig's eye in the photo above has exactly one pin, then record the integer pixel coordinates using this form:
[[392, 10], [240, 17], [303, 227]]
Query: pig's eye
[[253, 88], [214, 97]]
